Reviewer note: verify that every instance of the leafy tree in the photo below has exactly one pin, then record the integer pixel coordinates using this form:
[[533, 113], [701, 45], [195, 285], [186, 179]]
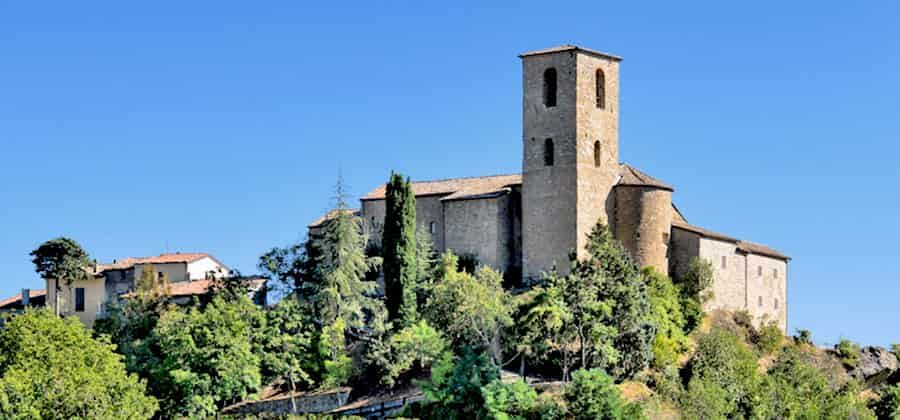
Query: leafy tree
[[509, 401], [51, 368], [888, 405], [286, 347], [414, 348], [706, 400], [454, 391], [623, 284], [206, 357], [695, 291], [803, 337], [61, 259], [593, 395], [399, 251], [670, 341], [724, 361], [471, 310], [769, 338]]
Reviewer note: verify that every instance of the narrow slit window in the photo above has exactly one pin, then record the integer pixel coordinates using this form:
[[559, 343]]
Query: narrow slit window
[[600, 81], [548, 152], [759, 271], [775, 272], [724, 262], [597, 159], [776, 303], [431, 228], [760, 302], [550, 87], [79, 299]]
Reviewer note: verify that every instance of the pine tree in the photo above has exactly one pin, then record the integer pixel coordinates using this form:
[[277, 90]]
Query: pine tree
[[399, 252]]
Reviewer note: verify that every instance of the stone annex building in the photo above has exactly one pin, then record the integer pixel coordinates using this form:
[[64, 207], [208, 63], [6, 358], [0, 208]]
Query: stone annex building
[[571, 179]]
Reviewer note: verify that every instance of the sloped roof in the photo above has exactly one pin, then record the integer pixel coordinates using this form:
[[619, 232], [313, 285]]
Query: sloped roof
[[177, 257], [629, 176], [569, 47], [331, 215], [201, 287], [456, 188], [744, 246], [17, 299]]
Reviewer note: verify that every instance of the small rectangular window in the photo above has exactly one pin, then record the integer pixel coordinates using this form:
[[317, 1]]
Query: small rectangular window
[[724, 262], [431, 228], [760, 301], [776, 303], [775, 272], [159, 275], [79, 299], [759, 271]]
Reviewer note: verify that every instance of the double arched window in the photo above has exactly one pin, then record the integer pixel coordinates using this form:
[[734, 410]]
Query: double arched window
[[548, 152], [550, 87], [600, 86]]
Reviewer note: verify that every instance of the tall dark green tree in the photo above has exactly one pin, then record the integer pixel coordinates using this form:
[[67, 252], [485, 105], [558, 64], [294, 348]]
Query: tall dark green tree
[[399, 252], [61, 260]]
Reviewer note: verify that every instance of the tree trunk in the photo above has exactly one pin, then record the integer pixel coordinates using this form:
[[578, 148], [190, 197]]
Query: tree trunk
[[56, 297], [293, 400], [522, 367]]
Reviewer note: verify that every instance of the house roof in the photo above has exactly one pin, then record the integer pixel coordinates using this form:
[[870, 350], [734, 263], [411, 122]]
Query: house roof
[[569, 47], [743, 246], [200, 287], [169, 258], [17, 299]]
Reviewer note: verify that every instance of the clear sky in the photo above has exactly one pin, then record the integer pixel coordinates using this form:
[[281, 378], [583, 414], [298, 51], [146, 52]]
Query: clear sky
[[143, 127]]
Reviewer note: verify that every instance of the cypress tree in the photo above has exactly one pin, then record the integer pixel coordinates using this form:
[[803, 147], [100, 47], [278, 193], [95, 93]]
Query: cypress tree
[[399, 251]]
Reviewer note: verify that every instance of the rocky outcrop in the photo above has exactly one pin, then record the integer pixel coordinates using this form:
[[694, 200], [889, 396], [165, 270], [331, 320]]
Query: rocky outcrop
[[876, 364]]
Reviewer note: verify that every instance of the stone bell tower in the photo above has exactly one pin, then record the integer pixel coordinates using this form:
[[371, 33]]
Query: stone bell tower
[[570, 117]]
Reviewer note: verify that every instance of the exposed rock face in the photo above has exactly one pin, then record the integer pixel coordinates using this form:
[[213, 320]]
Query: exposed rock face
[[876, 364]]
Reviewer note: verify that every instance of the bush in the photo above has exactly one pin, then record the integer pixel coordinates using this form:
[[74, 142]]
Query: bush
[[769, 338], [670, 342], [803, 337], [723, 361], [706, 400], [454, 391], [895, 348], [413, 348], [888, 406], [515, 400], [848, 352], [592, 395]]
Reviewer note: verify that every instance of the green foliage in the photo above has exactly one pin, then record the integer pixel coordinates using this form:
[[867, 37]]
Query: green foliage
[[848, 352], [593, 395], [769, 338], [803, 337], [454, 391], [623, 284], [471, 310], [468, 263], [508, 401], [670, 341], [206, 357], [51, 368], [61, 259], [888, 405], [332, 349], [706, 400], [414, 348], [286, 345], [694, 286], [723, 361], [794, 388], [399, 251], [895, 348]]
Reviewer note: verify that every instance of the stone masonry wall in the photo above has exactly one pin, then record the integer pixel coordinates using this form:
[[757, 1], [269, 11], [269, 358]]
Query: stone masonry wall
[[643, 224], [767, 289], [728, 285], [479, 227], [428, 209]]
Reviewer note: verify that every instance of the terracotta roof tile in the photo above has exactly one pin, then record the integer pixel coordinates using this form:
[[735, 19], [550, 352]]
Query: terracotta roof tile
[[178, 257], [199, 287], [36, 293]]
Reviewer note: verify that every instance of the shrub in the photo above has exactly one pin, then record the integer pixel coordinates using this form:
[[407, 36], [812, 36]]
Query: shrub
[[722, 360], [670, 341], [592, 395], [454, 391], [769, 338], [706, 400], [803, 337], [895, 348], [515, 400], [848, 352], [413, 348], [888, 406]]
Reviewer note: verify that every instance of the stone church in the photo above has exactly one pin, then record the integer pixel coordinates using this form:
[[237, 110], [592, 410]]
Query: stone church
[[571, 179]]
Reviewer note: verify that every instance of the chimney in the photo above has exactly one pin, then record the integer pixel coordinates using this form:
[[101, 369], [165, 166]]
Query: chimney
[[26, 297]]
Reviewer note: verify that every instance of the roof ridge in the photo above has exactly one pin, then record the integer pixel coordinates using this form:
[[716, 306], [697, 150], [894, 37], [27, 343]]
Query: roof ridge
[[464, 177]]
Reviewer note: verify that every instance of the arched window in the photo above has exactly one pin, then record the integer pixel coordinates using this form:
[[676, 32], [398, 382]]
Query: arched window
[[548, 152], [550, 87], [597, 153], [601, 89]]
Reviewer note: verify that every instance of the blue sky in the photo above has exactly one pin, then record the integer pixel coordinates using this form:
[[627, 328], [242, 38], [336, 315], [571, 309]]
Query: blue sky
[[222, 126]]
